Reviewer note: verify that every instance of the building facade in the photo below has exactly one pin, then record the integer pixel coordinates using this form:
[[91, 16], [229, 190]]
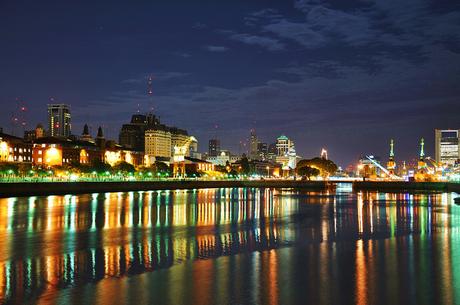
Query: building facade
[[214, 147], [283, 144], [14, 149], [447, 146], [157, 144], [59, 120]]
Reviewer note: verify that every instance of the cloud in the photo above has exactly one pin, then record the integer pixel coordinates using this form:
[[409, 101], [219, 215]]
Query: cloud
[[265, 42], [370, 24], [215, 48], [299, 32]]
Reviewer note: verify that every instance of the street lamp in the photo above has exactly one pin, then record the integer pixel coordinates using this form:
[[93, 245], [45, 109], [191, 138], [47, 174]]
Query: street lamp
[[268, 171]]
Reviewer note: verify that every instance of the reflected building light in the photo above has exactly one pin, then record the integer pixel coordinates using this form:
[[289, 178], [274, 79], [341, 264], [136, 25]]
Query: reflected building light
[[360, 212]]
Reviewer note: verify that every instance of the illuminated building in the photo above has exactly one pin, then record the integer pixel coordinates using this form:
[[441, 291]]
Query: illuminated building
[[222, 159], [283, 144], [79, 152], [157, 143], [14, 149], [214, 147], [286, 154], [198, 165], [4, 151], [59, 120], [179, 138], [447, 146], [47, 154], [112, 157]]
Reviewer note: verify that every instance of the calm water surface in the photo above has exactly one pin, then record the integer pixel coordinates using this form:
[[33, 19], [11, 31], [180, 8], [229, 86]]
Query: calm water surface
[[231, 246]]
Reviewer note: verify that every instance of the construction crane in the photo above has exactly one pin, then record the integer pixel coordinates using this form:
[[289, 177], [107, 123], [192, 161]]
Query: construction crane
[[387, 172]]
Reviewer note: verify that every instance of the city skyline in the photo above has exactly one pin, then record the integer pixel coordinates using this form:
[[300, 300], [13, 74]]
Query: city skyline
[[365, 73]]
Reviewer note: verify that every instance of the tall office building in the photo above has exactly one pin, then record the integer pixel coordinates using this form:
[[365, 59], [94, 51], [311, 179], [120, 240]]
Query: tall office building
[[447, 146], [59, 120], [253, 141], [214, 147]]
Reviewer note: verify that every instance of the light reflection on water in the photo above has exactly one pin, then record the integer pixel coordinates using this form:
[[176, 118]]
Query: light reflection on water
[[231, 246]]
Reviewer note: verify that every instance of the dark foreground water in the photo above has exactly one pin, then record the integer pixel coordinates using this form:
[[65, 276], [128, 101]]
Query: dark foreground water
[[231, 246]]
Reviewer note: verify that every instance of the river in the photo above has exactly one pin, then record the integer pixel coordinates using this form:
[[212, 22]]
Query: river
[[231, 246]]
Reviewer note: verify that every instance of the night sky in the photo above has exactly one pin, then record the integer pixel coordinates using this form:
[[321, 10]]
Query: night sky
[[345, 75]]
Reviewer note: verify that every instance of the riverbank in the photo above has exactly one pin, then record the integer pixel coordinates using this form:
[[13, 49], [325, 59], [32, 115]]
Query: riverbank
[[405, 186], [62, 188]]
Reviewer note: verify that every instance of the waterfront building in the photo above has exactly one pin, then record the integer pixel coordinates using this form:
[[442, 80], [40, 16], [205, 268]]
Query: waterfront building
[[132, 135], [52, 151], [157, 143], [223, 158], [59, 120], [214, 147], [447, 146], [179, 138], [14, 149]]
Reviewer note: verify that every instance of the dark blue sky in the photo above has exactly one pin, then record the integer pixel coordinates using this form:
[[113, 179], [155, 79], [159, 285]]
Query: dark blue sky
[[346, 75]]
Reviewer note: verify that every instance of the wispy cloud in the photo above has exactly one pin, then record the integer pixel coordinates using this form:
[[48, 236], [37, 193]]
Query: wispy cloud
[[270, 44], [211, 48]]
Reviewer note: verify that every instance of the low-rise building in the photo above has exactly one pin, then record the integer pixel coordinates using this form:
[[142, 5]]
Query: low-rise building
[[14, 149]]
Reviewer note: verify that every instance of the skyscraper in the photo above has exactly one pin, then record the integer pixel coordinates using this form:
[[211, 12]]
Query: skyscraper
[[447, 146], [59, 120], [214, 147], [253, 153]]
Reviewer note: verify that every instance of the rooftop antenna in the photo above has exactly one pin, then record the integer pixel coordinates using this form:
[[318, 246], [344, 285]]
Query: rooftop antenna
[[150, 92]]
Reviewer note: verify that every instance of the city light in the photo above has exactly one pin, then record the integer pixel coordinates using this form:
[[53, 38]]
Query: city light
[[53, 156]]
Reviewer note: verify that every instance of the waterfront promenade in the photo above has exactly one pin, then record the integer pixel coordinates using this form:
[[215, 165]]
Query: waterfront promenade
[[12, 189], [59, 188]]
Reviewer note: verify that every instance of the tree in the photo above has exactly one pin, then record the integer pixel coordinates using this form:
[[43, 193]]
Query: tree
[[8, 168], [100, 167], [24, 169], [308, 172], [124, 167], [326, 167], [162, 168], [245, 168]]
